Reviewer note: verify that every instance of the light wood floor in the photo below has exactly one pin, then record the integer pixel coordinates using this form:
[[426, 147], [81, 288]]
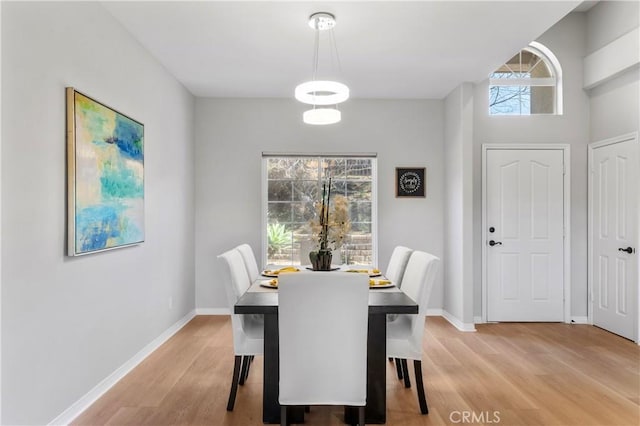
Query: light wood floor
[[506, 374]]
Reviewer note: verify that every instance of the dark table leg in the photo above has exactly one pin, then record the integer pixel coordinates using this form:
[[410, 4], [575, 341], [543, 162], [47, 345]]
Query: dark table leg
[[376, 409], [270, 390], [270, 406]]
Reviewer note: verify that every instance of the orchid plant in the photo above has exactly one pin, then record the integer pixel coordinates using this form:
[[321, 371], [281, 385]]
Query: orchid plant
[[332, 223]]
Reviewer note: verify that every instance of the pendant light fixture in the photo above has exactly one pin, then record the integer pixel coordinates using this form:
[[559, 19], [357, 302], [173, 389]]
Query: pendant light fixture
[[324, 95]]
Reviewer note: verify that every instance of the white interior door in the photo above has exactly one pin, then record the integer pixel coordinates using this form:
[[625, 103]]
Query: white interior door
[[614, 236], [524, 235]]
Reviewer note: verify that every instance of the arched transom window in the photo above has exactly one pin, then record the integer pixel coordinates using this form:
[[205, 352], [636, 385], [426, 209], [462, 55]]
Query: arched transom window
[[528, 83]]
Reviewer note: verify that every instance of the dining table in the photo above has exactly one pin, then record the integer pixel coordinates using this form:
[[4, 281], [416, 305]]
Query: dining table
[[259, 299]]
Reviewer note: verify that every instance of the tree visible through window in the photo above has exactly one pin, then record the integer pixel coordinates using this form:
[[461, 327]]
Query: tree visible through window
[[294, 186], [504, 100], [528, 83]]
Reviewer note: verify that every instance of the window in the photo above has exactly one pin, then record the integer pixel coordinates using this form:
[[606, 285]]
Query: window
[[528, 83], [293, 187]]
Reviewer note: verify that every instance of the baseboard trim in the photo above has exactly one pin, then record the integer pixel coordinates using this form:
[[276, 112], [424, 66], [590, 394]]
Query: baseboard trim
[[434, 312], [579, 320], [478, 320], [467, 327], [212, 311], [101, 388]]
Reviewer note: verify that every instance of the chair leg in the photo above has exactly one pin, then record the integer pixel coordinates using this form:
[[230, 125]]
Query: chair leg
[[361, 415], [248, 367], [422, 399], [405, 373], [244, 373], [283, 415], [399, 368], [234, 383]]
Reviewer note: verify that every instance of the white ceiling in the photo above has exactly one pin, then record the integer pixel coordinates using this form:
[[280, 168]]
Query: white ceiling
[[388, 49]]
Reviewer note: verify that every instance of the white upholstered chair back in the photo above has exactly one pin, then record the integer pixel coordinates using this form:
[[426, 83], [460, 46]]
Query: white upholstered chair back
[[248, 331], [323, 319], [405, 333], [249, 260], [397, 264]]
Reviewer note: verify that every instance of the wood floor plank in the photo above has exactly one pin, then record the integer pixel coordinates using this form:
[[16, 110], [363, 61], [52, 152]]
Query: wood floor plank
[[509, 374]]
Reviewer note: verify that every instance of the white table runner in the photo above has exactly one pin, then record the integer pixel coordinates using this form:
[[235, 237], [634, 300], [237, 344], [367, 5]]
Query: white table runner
[[257, 288]]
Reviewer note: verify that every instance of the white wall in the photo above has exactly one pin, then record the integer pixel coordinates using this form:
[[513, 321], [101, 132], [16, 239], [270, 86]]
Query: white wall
[[613, 105], [566, 40], [232, 134], [608, 20], [458, 206], [67, 323]]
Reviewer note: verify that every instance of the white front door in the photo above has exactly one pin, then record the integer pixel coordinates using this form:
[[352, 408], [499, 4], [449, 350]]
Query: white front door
[[614, 236], [524, 235]]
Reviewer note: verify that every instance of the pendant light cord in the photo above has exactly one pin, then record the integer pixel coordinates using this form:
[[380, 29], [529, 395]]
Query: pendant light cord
[[335, 51], [333, 48], [316, 55]]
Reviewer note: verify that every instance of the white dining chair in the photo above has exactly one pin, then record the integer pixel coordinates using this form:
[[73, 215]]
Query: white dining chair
[[322, 323], [405, 333], [248, 330], [397, 264], [249, 260], [394, 273]]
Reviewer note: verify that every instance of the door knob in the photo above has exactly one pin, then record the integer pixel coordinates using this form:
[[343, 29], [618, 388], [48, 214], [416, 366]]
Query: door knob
[[495, 243], [628, 250]]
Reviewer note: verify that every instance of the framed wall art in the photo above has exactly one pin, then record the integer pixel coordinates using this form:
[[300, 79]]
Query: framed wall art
[[410, 182], [105, 177]]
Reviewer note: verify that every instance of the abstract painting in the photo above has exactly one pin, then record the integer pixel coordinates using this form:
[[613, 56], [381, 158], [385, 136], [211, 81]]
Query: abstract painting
[[105, 165]]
